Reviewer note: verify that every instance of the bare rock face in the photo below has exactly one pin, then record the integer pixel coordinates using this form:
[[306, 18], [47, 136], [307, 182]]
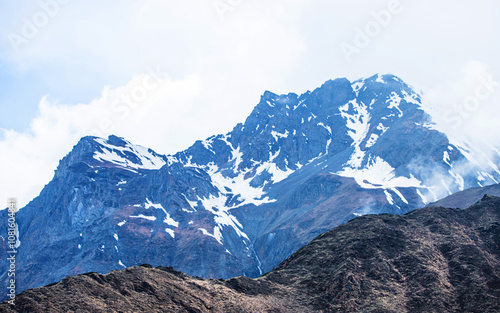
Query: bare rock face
[[430, 260]]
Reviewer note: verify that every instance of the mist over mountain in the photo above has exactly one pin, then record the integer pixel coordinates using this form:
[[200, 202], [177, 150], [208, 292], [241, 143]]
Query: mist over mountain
[[242, 202]]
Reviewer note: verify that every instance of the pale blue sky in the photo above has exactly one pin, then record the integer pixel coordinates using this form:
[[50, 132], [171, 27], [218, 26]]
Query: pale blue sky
[[422, 38]]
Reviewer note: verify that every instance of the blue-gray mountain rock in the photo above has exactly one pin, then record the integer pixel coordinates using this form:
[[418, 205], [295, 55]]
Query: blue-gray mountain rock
[[240, 203]]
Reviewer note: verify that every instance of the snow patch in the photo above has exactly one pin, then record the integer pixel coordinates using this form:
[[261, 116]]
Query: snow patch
[[237, 157], [146, 217], [446, 158], [241, 186], [371, 141], [480, 177], [298, 104], [357, 122], [192, 204], [147, 158], [388, 196], [167, 220], [356, 86], [381, 127], [207, 144], [170, 232], [400, 195], [216, 205], [206, 233], [379, 174], [277, 135], [394, 102], [424, 199], [328, 128], [328, 143], [413, 98], [356, 158]]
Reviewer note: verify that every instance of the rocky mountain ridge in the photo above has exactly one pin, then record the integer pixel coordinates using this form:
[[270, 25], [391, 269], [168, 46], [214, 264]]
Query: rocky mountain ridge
[[241, 203]]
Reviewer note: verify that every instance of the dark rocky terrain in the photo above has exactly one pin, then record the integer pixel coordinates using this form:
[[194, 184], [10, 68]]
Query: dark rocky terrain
[[433, 259]]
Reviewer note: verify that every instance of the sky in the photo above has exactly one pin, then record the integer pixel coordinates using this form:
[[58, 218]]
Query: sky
[[165, 73]]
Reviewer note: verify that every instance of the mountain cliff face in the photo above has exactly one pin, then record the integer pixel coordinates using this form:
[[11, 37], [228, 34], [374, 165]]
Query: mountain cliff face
[[430, 260], [240, 203]]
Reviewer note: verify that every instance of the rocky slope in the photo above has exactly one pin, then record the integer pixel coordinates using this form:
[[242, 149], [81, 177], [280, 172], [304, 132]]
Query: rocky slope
[[466, 198], [241, 203], [430, 260]]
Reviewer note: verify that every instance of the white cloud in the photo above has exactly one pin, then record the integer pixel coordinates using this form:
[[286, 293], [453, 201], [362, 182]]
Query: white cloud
[[466, 107], [213, 74], [30, 158], [215, 69]]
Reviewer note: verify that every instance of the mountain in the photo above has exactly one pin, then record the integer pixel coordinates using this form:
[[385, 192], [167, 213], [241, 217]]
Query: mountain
[[466, 198], [433, 259], [242, 202]]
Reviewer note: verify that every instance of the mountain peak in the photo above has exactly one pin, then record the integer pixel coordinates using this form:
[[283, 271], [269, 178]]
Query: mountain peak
[[117, 141], [114, 152], [335, 82], [241, 202]]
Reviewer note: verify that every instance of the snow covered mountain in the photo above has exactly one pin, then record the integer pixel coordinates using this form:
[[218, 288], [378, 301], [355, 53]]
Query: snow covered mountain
[[240, 203]]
